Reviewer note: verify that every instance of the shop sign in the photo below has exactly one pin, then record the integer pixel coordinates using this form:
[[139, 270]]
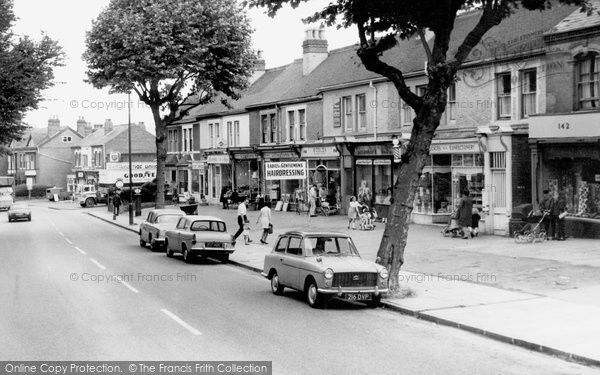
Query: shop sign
[[31, 172], [575, 125], [285, 170], [138, 176], [218, 159], [320, 152], [281, 155], [364, 162], [367, 150], [454, 148], [382, 162], [199, 165], [80, 175], [134, 166], [244, 156]]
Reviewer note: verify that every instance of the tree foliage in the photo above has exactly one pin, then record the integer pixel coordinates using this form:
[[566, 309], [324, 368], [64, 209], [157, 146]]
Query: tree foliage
[[173, 53], [26, 69], [380, 24]]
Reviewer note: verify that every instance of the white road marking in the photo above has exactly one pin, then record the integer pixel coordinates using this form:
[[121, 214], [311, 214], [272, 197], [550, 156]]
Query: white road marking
[[69, 241], [98, 264], [61, 233], [78, 249], [181, 322], [129, 286]]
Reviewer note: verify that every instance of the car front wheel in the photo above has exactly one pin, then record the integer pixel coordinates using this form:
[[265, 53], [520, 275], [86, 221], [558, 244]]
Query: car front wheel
[[374, 302], [187, 257], [142, 242], [90, 202], [276, 287], [313, 297]]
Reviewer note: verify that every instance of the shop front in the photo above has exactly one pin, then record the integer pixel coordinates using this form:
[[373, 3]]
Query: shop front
[[285, 183], [246, 173], [199, 178], [453, 167], [374, 171], [324, 171], [566, 160], [219, 175]]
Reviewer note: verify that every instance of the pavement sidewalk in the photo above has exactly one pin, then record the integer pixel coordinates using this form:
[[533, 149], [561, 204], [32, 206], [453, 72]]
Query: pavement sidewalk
[[563, 323]]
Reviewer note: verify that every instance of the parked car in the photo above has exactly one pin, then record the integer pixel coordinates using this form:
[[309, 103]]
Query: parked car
[[6, 197], [19, 211], [152, 230], [324, 265], [197, 235]]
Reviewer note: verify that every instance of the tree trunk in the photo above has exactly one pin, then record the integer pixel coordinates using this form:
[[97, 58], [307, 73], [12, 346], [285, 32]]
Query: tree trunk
[[393, 243], [161, 155]]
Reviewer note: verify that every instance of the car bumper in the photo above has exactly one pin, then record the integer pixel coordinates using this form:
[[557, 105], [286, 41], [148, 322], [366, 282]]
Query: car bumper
[[211, 252], [341, 291], [18, 216]]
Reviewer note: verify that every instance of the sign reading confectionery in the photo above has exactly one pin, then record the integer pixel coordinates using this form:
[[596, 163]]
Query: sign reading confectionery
[[454, 148], [320, 152], [218, 159], [285, 170]]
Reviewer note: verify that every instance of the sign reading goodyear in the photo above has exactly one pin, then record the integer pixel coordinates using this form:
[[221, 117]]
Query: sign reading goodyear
[[285, 170]]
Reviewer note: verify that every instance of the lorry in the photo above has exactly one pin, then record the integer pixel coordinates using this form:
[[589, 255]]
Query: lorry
[[6, 192], [90, 195]]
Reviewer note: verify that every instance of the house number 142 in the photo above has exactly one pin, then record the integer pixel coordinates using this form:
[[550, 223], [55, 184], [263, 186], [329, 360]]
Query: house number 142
[[564, 125]]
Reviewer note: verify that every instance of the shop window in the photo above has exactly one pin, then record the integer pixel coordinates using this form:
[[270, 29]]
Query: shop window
[[361, 110], [503, 82], [451, 108], [528, 93], [588, 82], [347, 113]]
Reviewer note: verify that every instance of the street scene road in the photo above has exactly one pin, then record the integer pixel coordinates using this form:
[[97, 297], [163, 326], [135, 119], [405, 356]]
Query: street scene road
[[77, 288]]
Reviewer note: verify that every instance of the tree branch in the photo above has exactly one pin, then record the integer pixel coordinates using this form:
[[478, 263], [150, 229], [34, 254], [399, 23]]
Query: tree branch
[[425, 44]]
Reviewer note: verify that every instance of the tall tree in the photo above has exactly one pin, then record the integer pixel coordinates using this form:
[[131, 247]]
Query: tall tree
[[174, 54], [380, 24], [26, 69]]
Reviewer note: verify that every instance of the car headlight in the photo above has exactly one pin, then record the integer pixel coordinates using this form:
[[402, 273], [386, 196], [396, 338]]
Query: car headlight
[[328, 273], [384, 273]]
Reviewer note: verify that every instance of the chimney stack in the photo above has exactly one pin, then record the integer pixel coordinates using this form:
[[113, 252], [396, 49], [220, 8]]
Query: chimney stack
[[314, 49], [81, 125], [259, 67], [96, 127], [108, 126], [53, 126]]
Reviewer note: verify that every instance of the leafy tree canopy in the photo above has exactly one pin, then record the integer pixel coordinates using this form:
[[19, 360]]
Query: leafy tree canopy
[[26, 69], [169, 50]]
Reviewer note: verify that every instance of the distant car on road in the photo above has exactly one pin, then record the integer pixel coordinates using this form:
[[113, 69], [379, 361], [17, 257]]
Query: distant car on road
[[152, 230], [324, 265], [19, 211], [198, 235]]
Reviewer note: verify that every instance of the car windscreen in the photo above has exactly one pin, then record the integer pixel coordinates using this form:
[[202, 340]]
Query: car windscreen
[[168, 219], [330, 245], [19, 207], [208, 225]]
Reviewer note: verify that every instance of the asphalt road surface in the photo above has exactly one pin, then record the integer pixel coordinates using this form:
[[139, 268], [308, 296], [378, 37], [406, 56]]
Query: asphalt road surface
[[75, 288]]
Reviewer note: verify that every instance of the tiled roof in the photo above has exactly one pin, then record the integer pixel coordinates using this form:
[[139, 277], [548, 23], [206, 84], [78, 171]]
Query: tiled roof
[[98, 137], [577, 20], [520, 33], [31, 138]]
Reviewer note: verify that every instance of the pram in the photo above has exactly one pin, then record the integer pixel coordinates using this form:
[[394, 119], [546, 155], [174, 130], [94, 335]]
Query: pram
[[366, 219], [452, 229], [533, 231]]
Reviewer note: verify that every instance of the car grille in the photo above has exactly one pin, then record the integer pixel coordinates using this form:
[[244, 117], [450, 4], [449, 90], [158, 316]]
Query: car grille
[[352, 279]]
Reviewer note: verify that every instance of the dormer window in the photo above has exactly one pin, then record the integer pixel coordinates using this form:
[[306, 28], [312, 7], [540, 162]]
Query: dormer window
[[587, 81]]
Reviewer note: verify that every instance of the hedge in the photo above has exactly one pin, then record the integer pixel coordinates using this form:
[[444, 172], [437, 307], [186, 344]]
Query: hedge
[[38, 191]]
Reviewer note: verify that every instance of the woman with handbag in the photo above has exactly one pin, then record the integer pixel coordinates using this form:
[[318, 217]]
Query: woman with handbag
[[265, 221]]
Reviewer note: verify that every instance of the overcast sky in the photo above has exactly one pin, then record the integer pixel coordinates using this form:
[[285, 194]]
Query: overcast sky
[[67, 21]]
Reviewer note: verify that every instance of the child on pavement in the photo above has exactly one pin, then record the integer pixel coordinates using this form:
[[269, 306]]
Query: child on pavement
[[246, 233], [475, 217]]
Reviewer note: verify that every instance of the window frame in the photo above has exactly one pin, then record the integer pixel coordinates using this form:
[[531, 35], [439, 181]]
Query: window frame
[[503, 95], [593, 98], [527, 93], [361, 113], [347, 115]]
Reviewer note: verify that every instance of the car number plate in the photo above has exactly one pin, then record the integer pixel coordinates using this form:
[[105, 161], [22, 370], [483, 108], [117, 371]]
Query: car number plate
[[214, 244], [358, 296]]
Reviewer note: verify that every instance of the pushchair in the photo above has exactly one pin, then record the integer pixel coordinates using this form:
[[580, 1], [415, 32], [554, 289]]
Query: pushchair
[[452, 229], [533, 231], [366, 219]]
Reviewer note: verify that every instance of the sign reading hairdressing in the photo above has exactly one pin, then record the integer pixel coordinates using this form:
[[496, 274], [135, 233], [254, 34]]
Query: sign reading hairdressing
[[285, 170]]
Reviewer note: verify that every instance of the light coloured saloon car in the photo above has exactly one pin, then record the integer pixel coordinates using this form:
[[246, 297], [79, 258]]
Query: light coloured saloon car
[[19, 211], [322, 266], [152, 230], [198, 235]]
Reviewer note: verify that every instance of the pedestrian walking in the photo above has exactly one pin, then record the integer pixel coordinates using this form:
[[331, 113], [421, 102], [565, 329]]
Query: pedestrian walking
[[313, 195], [116, 203], [246, 234], [242, 218], [475, 217], [224, 197], [465, 213], [560, 209], [353, 212], [547, 206], [265, 221]]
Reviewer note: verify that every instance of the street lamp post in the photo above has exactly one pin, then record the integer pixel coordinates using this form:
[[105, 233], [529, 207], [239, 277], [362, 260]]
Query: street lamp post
[[130, 168]]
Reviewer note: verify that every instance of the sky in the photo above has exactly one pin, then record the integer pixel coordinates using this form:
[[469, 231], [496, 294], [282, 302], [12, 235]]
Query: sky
[[67, 21]]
